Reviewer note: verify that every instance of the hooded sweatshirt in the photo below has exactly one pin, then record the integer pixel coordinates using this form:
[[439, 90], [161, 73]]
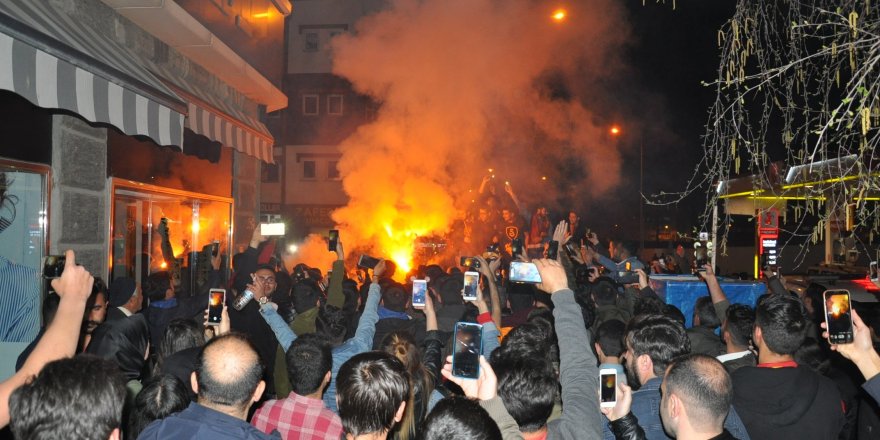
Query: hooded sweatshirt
[[787, 402]]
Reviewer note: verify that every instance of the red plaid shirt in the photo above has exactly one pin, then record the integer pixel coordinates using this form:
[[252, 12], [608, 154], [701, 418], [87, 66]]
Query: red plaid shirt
[[298, 417]]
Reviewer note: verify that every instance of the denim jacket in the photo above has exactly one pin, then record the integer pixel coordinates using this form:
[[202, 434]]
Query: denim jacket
[[361, 342]]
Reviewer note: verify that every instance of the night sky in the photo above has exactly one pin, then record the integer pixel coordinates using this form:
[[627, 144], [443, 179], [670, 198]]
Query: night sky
[[662, 106]]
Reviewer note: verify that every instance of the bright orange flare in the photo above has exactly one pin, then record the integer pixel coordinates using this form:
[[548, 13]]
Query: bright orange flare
[[163, 265], [559, 15], [615, 130]]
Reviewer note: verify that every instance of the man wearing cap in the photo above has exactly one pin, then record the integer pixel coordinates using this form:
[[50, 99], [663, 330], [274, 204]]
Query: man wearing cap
[[125, 299]]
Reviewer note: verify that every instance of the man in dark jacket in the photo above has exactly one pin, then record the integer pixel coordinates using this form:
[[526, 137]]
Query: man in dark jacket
[[702, 334], [737, 332], [778, 398], [393, 317]]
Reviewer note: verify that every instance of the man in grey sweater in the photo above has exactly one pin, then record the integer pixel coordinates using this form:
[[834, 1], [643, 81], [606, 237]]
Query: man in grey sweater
[[578, 371]]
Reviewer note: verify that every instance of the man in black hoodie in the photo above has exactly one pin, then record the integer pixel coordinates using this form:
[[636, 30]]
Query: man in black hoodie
[[778, 398]]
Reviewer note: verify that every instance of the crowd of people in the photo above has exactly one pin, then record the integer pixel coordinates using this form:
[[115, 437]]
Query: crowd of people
[[304, 355]]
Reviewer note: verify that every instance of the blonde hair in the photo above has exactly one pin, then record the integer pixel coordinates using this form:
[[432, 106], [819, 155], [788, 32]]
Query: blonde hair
[[402, 346]]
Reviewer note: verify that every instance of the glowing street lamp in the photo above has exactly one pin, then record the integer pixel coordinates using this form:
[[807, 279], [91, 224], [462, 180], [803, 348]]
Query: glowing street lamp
[[559, 15]]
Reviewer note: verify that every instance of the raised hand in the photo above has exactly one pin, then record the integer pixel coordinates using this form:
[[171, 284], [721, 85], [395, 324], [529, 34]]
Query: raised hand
[[75, 281], [553, 278], [484, 387]]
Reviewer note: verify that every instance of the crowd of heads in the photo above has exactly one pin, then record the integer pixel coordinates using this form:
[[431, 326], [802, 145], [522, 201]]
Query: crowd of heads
[[127, 386]]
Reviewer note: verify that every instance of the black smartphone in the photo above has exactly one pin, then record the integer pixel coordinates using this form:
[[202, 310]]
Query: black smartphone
[[215, 248], [838, 316], [470, 262], [466, 355], [367, 262], [553, 250], [216, 298], [516, 247], [53, 266], [522, 272], [334, 239]]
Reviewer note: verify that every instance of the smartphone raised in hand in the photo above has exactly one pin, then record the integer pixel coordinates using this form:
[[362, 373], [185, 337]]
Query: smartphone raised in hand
[[216, 299], [367, 262], [872, 271], [271, 229], [469, 262], [53, 266], [333, 237], [522, 272], [553, 250], [471, 283], [607, 387], [466, 354], [420, 290], [838, 316]]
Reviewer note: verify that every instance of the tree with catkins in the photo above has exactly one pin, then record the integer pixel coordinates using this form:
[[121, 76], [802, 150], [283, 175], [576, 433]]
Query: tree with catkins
[[797, 108]]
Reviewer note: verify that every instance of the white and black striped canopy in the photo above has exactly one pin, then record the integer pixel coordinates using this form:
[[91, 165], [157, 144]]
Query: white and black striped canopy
[[60, 63]]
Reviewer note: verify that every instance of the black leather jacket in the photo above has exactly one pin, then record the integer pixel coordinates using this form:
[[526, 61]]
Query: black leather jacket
[[627, 428]]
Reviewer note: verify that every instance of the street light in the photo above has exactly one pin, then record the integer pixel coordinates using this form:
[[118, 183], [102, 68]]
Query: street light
[[615, 131], [559, 15]]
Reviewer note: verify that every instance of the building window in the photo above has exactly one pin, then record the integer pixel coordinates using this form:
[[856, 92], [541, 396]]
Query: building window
[[311, 42], [271, 171], [334, 104], [310, 105], [333, 170], [308, 169]]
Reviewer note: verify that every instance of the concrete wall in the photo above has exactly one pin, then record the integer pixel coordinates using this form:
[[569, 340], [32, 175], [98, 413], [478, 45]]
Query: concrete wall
[[80, 201], [314, 23]]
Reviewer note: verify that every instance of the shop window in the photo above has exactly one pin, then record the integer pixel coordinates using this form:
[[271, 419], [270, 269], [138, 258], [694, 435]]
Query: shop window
[[334, 104], [310, 105], [160, 229], [309, 169], [24, 189]]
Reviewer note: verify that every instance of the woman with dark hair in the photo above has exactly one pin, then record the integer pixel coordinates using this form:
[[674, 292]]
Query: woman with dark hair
[[459, 418], [161, 396], [424, 370]]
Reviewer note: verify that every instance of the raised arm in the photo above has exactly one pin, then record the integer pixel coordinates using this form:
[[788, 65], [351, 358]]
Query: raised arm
[[60, 339], [578, 371], [433, 345], [488, 272], [335, 297], [719, 299], [366, 328]]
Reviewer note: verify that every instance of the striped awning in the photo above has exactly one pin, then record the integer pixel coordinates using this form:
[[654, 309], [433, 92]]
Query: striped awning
[[212, 118], [58, 62]]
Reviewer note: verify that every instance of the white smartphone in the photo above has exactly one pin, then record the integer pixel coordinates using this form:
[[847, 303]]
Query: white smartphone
[[271, 229], [607, 387], [471, 282], [872, 271], [420, 289]]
